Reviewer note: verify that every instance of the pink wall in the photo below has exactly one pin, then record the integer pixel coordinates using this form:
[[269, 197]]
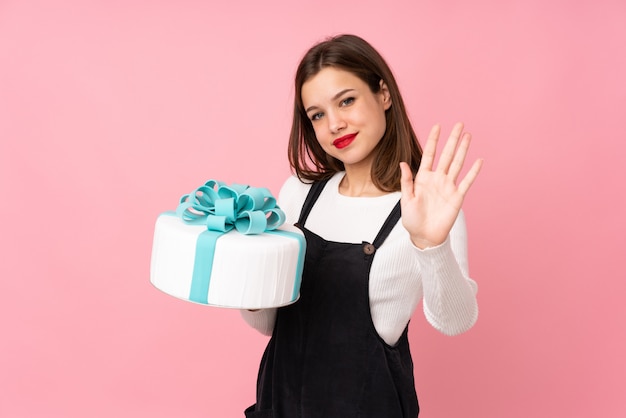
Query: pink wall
[[110, 111]]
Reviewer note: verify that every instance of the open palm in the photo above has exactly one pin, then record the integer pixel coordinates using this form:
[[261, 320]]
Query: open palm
[[432, 200]]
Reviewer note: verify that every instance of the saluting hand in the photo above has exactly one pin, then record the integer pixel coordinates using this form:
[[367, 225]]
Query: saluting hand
[[431, 202]]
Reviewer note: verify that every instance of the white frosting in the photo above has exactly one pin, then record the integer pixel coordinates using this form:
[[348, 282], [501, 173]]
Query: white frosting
[[248, 272]]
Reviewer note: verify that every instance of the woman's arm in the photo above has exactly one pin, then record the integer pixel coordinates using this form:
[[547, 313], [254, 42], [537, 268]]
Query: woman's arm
[[262, 320], [449, 293]]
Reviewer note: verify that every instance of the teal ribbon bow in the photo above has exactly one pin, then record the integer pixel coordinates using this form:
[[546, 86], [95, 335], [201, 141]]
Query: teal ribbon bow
[[249, 210]]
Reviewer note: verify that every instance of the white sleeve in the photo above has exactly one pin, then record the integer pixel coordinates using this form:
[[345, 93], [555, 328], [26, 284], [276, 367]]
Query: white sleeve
[[262, 320], [449, 294]]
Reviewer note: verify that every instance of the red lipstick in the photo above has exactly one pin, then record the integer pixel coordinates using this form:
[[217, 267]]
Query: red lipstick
[[344, 141]]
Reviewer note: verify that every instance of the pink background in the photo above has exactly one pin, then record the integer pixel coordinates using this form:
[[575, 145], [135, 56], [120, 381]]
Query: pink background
[[109, 111]]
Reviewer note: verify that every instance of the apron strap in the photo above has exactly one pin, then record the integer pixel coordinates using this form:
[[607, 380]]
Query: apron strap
[[311, 198], [390, 223]]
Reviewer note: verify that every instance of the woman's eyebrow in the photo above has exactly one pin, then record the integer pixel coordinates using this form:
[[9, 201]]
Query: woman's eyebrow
[[335, 97]]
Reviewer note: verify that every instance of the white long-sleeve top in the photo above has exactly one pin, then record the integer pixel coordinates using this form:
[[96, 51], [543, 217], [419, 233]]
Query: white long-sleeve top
[[402, 275]]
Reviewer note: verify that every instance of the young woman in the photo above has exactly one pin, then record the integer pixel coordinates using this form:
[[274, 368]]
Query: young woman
[[384, 231]]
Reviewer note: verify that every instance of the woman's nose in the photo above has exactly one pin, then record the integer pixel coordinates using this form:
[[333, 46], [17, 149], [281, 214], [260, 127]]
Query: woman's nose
[[335, 122]]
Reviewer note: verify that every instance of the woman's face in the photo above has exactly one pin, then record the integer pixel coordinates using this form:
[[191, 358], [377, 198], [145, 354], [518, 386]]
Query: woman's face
[[348, 119]]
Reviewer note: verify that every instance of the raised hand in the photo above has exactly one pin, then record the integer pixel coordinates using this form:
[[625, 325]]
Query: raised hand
[[431, 202]]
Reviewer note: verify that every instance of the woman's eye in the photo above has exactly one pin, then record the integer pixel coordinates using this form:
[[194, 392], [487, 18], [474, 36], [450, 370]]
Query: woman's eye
[[348, 101], [317, 116]]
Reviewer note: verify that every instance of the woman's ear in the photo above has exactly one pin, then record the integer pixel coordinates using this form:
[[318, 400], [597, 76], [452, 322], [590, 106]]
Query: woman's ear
[[386, 97]]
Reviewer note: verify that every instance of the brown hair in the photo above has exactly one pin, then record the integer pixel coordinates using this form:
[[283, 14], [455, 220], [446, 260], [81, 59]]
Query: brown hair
[[399, 143]]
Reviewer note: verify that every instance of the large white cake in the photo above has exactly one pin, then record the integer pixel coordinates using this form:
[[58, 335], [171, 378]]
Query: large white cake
[[226, 269]]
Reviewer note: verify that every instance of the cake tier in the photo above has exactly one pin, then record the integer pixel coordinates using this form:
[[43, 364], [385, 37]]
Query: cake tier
[[245, 272]]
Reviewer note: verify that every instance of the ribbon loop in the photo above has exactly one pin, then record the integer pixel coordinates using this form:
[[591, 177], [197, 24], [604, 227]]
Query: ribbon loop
[[221, 207]]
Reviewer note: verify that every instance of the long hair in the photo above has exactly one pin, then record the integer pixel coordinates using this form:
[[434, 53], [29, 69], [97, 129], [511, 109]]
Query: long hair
[[399, 143]]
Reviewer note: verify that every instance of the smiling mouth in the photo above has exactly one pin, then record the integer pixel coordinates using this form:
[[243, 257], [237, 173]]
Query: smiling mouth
[[344, 141]]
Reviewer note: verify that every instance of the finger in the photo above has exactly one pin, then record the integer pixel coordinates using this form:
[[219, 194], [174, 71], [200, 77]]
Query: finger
[[469, 178], [428, 155], [459, 157], [447, 154], [406, 180]]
